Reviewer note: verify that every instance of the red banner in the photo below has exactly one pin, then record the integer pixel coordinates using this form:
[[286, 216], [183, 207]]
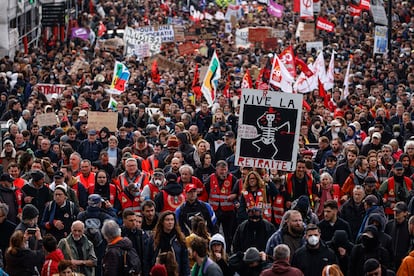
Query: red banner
[[354, 10], [364, 5], [325, 25], [288, 58]]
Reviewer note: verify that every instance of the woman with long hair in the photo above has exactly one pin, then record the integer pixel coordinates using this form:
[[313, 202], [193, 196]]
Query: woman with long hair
[[169, 238], [198, 229], [105, 189], [21, 260], [206, 168], [201, 147], [168, 260], [256, 192]]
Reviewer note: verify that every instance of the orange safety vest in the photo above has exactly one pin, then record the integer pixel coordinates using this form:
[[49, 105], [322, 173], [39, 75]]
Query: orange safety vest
[[390, 195], [141, 179], [278, 207], [289, 186], [218, 197], [259, 202], [86, 181], [171, 202], [154, 190], [112, 192], [130, 204], [149, 164]]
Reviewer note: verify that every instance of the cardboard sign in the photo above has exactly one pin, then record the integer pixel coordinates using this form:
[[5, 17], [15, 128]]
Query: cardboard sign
[[258, 34], [179, 33], [98, 120], [46, 119], [134, 37], [317, 45], [269, 126], [164, 63], [186, 48], [49, 89], [270, 43], [308, 32]]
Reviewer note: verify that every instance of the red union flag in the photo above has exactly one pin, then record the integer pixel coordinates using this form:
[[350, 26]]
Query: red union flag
[[325, 25], [364, 5], [280, 77], [288, 58], [354, 10]]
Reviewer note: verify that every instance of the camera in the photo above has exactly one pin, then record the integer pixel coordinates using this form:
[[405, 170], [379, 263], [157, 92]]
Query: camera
[[31, 231]]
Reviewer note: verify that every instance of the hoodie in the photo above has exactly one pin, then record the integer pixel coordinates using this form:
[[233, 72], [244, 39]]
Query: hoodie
[[282, 268], [173, 189], [111, 261], [50, 266]]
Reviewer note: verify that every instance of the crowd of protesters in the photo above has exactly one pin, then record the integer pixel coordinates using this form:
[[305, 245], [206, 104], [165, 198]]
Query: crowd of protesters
[[165, 186]]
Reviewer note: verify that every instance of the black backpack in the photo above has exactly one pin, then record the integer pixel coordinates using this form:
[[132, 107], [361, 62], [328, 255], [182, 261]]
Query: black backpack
[[131, 265]]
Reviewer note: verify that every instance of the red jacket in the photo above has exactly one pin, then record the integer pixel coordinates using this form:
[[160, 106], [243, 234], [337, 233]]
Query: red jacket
[[52, 260]]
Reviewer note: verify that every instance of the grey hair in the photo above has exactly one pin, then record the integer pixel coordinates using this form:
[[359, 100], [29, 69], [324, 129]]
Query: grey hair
[[325, 174], [408, 144], [186, 167], [281, 252], [4, 209], [110, 230], [25, 112], [78, 222]]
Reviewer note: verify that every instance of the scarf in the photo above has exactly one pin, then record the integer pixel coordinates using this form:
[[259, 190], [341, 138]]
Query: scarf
[[361, 175], [200, 270], [326, 195]]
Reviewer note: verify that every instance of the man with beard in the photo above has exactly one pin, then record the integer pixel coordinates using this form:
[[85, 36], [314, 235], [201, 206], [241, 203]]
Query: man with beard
[[79, 250], [195, 136], [312, 257], [290, 233], [395, 188], [220, 188]]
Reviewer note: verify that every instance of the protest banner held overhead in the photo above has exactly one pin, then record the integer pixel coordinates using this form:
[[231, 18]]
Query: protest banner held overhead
[[268, 129]]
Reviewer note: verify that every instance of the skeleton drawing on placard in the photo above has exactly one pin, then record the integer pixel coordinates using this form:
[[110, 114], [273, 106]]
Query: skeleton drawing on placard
[[269, 124]]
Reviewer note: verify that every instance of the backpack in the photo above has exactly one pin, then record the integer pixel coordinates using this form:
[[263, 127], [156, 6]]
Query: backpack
[[93, 230], [131, 265]]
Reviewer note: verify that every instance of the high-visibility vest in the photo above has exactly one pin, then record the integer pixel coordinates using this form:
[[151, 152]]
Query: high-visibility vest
[[390, 195], [289, 187], [150, 164], [140, 179], [218, 196], [154, 190], [260, 202], [130, 204], [90, 180], [112, 192], [172, 202], [201, 191], [278, 208]]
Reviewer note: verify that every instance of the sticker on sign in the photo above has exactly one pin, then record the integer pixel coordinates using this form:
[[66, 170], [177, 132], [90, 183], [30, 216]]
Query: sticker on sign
[[247, 132]]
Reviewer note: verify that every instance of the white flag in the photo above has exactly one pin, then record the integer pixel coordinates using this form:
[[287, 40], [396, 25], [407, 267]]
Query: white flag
[[306, 8], [280, 76], [346, 81], [304, 84], [329, 79]]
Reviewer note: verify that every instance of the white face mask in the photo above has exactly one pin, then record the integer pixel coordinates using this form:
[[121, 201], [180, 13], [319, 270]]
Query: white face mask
[[396, 134], [158, 182], [336, 129], [313, 240]]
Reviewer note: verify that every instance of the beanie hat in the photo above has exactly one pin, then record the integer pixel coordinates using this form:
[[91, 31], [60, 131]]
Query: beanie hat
[[370, 265], [251, 255], [29, 212], [172, 142], [159, 270], [302, 203], [217, 239], [62, 188]]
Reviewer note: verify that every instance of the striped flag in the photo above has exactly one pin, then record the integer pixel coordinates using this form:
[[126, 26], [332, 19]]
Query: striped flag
[[210, 82], [120, 78]]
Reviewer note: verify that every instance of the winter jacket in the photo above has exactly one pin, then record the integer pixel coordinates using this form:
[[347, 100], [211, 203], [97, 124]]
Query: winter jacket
[[209, 267], [354, 215], [277, 238], [112, 261], [24, 262], [312, 261], [252, 234], [281, 268], [407, 266], [51, 263]]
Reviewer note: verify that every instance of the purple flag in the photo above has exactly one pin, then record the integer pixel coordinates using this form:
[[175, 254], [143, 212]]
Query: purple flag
[[81, 33], [275, 9]]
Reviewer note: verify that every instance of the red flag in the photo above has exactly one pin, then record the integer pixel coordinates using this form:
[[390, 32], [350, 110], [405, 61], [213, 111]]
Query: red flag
[[247, 80], [322, 92], [288, 58], [354, 10], [325, 25], [306, 105], [155, 75], [260, 84], [101, 29], [196, 83], [296, 6], [226, 90], [303, 67], [365, 5]]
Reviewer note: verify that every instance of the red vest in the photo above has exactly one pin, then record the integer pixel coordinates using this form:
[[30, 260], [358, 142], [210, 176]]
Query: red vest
[[86, 181], [140, 179], [18, 182], [171, 203], [201, 191], [259, 202], [153, 191], [130, 204], [289, 186], [150, 164], [218, 197], [112, 192], [278, 207], [336, 193], [390, 195]]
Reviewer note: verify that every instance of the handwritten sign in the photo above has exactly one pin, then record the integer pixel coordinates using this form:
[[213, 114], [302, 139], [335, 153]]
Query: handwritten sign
[[46, 119], [98, 120]]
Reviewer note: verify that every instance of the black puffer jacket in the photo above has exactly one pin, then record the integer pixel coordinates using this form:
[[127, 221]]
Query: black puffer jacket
[[24, 262]]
